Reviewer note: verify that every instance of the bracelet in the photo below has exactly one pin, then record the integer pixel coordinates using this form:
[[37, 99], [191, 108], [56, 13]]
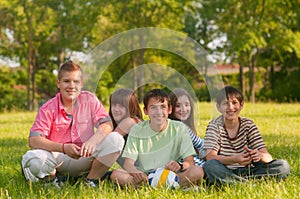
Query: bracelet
[[181, 166], [63, 148]]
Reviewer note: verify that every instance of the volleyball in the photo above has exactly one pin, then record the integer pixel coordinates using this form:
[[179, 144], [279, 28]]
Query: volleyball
[[161, 177]]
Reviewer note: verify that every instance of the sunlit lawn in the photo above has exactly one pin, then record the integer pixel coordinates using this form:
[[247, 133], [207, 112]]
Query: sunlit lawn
[[278, 123]]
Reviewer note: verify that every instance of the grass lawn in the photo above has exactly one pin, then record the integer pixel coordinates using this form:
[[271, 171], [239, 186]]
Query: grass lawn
[[279, 125]]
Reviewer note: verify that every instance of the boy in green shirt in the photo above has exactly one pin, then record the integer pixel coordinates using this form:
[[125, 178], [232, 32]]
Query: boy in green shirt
[[158, 142]]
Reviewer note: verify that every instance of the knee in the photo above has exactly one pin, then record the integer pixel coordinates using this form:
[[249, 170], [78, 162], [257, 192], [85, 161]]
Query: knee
[[211, 166], [40, 163], [283, 168], [198, 173], [117, 140], [114, 175], [121, 177]]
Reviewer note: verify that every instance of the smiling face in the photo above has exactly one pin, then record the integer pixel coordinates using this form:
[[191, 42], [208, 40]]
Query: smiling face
[[119, 112], [158, 112], [182, 108], [70, 85], [230, 108]]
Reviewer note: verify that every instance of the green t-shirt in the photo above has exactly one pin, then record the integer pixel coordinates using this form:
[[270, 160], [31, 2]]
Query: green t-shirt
[[152, 149]]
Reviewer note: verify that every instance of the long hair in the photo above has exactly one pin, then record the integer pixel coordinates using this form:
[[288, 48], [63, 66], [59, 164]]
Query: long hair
[[127, 98], [174, 95]]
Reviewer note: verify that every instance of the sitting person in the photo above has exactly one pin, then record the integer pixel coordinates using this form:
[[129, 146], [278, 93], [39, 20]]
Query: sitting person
[[235, 150], [125, 111], [183, 110], [158, 142], [63, 139]]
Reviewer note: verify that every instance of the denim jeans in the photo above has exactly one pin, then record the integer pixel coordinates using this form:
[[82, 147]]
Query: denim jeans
[[217, 173]]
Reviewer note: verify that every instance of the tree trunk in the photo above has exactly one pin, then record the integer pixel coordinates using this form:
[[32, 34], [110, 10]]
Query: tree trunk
[[140, 62], [242, 80], [33, 80], [29, 105], [31, 55], [272, 79], [132, 57], [252, 79]]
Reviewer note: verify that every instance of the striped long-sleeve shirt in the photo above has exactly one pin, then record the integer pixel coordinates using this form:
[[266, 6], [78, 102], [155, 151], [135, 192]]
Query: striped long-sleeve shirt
[[198, 145], [217, 138]]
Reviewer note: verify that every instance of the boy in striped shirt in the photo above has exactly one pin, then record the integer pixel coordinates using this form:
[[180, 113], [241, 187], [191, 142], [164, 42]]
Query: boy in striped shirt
[[235, 150]]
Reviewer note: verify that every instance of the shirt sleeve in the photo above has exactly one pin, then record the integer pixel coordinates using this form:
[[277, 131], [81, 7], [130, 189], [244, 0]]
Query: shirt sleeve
[[101, 115], [212, 137], [198, 143], [42, 124], [187, 147]]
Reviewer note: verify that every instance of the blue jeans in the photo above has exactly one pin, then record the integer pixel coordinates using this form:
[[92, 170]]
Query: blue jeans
[[217, 173]]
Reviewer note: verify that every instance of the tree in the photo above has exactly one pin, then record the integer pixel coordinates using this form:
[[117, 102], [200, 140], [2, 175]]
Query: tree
[[251, 28], [119, 16], [43, 32]]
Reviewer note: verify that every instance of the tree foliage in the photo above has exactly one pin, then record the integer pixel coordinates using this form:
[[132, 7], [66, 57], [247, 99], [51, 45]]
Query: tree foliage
[[40, 35], [253, 28]]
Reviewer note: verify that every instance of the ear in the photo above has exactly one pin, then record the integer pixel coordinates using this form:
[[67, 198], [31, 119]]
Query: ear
[[218, 107], [170, 109], [57, 83], [242, 104], [145, 111]]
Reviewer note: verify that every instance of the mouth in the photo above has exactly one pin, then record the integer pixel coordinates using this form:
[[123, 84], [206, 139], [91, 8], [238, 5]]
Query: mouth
[[183, 114], [159, 117], [230, 112], [71, 92]]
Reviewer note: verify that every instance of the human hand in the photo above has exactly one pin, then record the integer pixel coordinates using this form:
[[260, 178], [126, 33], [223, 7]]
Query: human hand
[[173, 166], [244, 159], [139, 177], [255, 154], [87, 148], [72, 150]]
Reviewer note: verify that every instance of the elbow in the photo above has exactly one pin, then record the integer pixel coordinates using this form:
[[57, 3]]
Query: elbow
[[210, 157], [32, 142]]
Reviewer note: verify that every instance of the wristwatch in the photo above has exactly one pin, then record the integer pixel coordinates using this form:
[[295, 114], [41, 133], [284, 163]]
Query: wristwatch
[[181, 166]]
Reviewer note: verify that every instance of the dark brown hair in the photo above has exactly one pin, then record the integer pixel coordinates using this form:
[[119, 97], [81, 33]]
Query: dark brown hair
[[227, 92], [128, 99], [157, 94]]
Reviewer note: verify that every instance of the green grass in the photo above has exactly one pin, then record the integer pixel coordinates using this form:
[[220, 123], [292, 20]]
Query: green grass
[[278, 123]]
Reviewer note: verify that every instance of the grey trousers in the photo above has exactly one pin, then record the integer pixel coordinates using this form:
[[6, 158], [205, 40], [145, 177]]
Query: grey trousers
[[218, 174]]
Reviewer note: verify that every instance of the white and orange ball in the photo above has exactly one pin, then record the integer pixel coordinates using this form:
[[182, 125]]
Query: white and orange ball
[[161, 177]]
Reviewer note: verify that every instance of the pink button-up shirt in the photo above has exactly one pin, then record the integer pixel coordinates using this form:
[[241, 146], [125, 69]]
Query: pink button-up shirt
[[53, 123]]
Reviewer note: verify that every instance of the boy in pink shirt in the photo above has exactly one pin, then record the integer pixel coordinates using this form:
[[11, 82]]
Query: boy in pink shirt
[[62, 137]]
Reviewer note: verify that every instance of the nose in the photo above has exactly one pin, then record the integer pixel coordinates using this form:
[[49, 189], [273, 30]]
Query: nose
[[159, 110], [230, 105], [72, 83], [183, 108]]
